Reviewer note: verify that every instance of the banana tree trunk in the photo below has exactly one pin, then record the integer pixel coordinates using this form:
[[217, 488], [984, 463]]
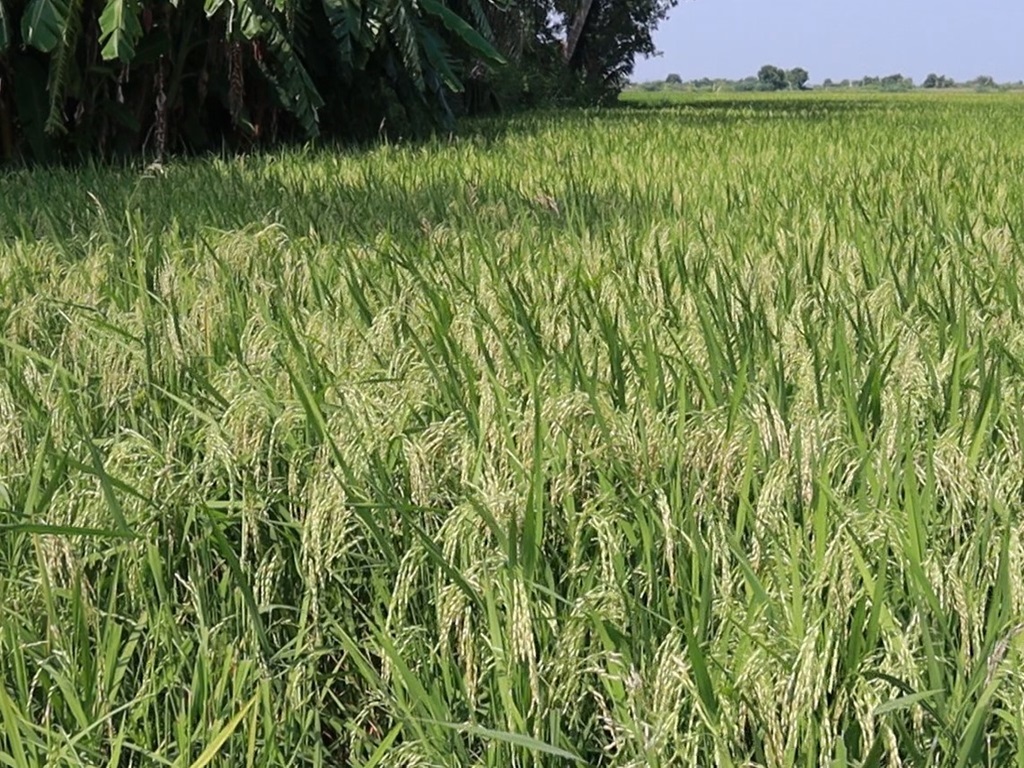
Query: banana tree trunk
[[579, 21], [6, 110], [6, 133]]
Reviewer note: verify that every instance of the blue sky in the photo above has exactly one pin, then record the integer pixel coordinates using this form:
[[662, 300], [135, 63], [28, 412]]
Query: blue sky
[[841, 38]]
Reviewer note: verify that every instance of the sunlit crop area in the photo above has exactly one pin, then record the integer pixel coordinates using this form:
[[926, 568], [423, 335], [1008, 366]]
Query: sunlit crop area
[[656, 436]]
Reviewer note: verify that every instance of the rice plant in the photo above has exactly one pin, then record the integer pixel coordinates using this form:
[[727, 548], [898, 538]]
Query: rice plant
[[680, 435]]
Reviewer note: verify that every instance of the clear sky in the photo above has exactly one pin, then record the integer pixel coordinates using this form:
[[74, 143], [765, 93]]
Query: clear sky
[[841, 39]]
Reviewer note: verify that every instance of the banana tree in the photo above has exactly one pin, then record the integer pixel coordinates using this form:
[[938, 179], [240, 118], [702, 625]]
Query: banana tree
[[162, 73]]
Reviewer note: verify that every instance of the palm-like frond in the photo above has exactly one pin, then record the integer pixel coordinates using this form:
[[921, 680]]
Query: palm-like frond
[[285, 72], [347, 19], [63, 56], [43, 23], [5, 30], [402, 27], [462, 30], [437, 56], [480, 20], [120, 29]]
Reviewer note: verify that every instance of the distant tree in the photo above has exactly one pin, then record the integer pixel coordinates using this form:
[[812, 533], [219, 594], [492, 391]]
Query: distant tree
[[674, 79], [797, 78], [896, 82], [938, 81], [772, 78], [983, 82], [828, 83]]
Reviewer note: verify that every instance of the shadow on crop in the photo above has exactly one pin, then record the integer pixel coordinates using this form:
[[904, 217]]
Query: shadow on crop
[[196, 194]]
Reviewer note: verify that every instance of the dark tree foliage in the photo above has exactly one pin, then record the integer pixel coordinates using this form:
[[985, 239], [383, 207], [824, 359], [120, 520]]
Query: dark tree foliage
[[772, 78], [797, 78], [611, 35], [115, 77], [567, 51], [120, 76], [938, 81]]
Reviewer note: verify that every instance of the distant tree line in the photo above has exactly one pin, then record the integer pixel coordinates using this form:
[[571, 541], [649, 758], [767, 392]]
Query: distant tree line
[[772, 78], [116, 77]]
